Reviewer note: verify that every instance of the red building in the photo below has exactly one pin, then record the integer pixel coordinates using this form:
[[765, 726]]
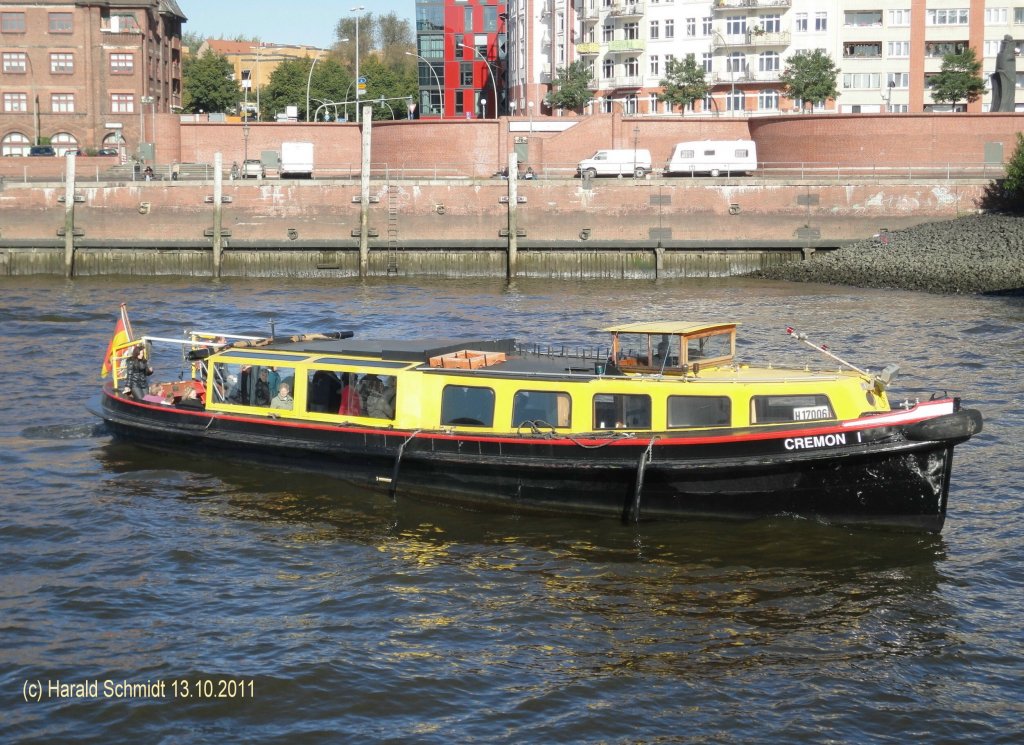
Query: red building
[[82, 74], [461, 45]]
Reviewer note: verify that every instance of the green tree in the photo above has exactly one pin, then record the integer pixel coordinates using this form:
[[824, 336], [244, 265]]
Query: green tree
[[287, 87], [207, 84], [810, 77], [684, 82], [570, 87], [1013, 184], [958, 79], [400, 84]]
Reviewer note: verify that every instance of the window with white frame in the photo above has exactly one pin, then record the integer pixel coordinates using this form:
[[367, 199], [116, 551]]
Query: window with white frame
[[1018, 16], [15, 62], [899, 49], [707, 25], [631, 30], [61, 23], [821, 21], [771, 24], [123, 63], [122, 103], [800, 22], [736, 25], [607, 32], [608, 68], [862, 18], [62, 103], [899, 17], [691, 27], [655, 65], [947, 17], [655, 30], [62, 63], [862, 80], [632, 65], [670, 29], [735, 101], [706, 59], [63, 141], [898, 80], [736, 62], [768, 100], [15, 144], [996, 16], [768, 62], [15, 103]]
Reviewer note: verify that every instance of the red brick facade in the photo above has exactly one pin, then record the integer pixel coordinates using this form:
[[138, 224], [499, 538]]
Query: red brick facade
[[71, 69]]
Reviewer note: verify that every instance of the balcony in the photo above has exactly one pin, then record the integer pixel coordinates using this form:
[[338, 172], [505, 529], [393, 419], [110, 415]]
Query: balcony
[[588, 15], [726, 6], [620, 46], [751, 39], [625, 81], [626, 10], [594, 84], [588, 48]]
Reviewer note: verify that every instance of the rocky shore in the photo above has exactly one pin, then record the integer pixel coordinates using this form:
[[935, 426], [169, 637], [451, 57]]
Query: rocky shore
[[974, 254]]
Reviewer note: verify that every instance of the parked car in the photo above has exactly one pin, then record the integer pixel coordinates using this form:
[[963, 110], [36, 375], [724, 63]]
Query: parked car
[[616, 163], [42, 150], [107, 151], [253, 168]]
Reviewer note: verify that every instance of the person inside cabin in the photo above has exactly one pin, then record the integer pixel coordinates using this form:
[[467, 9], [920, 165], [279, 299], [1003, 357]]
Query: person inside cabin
[[367, 386], [136, 372], [350, 401], [390, 391], [324, 391], [376, 403], [283, 399], [261, 396]]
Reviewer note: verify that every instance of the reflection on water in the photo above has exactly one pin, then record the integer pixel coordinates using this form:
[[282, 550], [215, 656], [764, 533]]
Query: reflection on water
[[364, 619]]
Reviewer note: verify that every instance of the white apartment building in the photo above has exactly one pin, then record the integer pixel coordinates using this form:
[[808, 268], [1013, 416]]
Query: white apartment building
[[885, 51]]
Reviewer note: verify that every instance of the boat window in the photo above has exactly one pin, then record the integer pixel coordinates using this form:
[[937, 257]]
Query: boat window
[[699, 411], [249, 385], [378, 394], [805, 408], [543, 407], [323, 391], [633, 349], [622, 411], [708, 347], [467, 405]]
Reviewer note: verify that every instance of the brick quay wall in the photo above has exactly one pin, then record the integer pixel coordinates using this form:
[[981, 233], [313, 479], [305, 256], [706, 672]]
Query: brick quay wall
[[454, 227]]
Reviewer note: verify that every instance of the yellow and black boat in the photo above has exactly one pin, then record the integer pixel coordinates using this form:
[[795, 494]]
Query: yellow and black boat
[[663, 422]]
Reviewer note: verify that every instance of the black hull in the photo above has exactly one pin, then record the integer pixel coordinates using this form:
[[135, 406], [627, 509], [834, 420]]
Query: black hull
[[884, 478]]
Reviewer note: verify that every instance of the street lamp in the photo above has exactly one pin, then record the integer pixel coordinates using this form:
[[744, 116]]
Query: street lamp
[[142, 116], [310, 78], [245, 139], [437, 80], [483, 108], [494, 81], [356, 10]]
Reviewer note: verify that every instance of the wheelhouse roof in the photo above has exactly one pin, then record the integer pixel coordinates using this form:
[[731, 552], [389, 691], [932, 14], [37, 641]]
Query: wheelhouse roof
[[668, 327]]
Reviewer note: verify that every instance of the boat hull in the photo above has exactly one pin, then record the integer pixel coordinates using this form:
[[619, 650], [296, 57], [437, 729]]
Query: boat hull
[[893, 475]]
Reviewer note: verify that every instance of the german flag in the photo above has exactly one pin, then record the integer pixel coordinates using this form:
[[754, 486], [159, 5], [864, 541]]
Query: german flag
[[122, 335]]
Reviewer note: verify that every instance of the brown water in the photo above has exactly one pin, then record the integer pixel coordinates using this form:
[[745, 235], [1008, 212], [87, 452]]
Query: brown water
[[349, 618]]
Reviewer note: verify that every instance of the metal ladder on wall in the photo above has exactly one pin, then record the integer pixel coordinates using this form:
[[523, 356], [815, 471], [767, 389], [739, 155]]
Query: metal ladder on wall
[[392, 230]]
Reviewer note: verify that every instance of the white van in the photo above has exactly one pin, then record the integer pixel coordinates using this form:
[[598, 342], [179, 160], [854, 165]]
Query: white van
[[616, 163], [732, 157]]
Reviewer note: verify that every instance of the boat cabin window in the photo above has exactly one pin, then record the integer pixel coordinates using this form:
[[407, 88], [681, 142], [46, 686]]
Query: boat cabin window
[[648, 350], [621, 411], [798, 408], [463, 405], [699, 411], [715, 346], [542, 407], [249, 385], [351, 393]]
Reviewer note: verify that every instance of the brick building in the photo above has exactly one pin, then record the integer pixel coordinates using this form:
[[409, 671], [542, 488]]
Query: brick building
[[461, 45], [85, 74]]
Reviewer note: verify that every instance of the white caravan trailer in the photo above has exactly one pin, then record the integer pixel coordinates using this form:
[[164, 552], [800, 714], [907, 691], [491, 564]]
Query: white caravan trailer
[[731, 157], [616, 163]]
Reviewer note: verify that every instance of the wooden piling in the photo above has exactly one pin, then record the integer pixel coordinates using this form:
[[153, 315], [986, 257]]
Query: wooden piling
[[364, 192], [69, 215], [513, 215], [218, 212]]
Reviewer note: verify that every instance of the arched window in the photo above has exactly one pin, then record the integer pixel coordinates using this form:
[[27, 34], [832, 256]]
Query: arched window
[[768, 100], [734, 101], [736, 62], [768, 62], [15, 144], [112, 140], [632, 67], [62, 142]]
